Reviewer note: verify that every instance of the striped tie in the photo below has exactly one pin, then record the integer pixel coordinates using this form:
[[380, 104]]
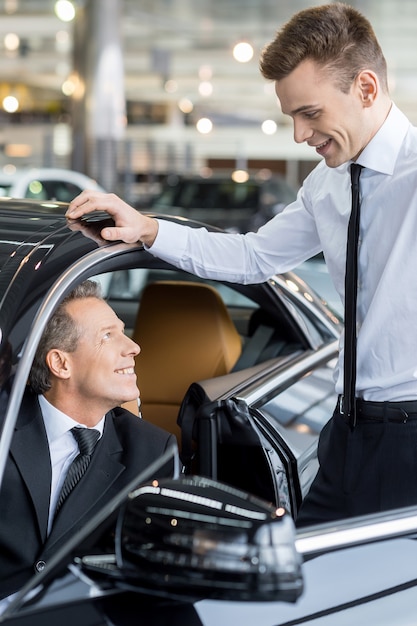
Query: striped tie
[[86, 439]]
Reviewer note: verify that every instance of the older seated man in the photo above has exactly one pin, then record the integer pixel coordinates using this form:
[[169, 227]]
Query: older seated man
[[73, 448]]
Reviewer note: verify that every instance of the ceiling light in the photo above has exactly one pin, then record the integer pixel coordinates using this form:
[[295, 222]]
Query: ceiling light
[[10, 104], [11, 6], [240, 176], [204, 126], [68, 87], [62, 143], [9, 169], [11, 42], [205, 88], [185, 105], [206, 172], [62, 41], [64, 10], [269, 127], [243, 52], [73, 86], [18, 150], [171, 86]]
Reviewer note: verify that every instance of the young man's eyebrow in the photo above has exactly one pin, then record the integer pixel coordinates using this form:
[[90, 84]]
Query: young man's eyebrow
[[305, 107]]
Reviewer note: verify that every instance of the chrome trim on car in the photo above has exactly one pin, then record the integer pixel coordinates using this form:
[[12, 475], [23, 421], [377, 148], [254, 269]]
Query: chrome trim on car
[[331, 322], [52, 299], [356, 531], [255, 394]]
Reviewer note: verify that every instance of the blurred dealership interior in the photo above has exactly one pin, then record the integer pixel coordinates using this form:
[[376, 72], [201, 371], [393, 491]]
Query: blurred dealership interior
[[129, 91]]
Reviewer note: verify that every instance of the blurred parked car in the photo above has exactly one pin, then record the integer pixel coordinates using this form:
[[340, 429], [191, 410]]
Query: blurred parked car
[[224, 202], [45, 184], [218, 544]]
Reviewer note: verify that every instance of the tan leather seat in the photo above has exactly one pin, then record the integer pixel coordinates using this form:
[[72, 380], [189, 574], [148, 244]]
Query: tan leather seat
[[186, 334], [132, 406]]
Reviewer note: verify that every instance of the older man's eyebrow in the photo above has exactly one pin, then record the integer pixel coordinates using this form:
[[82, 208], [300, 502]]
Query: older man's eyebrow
[[114, 326]]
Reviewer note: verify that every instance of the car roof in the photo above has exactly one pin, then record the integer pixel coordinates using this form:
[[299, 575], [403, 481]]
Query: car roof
[[29, 228], [38, 245], [52, 173]]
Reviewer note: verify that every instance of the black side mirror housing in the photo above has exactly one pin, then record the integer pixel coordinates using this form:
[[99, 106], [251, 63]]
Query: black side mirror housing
[[194, 538]]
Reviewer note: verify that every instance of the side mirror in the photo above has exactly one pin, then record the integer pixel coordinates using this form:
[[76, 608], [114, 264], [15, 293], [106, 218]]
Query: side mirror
[[196, 538]]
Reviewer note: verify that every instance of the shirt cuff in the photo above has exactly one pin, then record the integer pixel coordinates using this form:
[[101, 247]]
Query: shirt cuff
[[170, 242]]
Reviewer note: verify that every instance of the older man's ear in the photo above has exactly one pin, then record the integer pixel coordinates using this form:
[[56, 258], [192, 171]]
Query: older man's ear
[[58, 363]]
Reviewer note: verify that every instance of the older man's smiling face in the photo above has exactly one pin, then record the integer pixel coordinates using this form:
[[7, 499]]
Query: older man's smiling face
[[102, 365]]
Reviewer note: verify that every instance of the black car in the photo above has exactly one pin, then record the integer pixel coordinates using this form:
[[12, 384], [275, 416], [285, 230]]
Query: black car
[[225, 202], [218, 544], [209, 342]]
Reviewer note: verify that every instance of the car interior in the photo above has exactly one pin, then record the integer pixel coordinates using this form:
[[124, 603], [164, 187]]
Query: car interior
[[197, 342], [185, 333], [201, 341]]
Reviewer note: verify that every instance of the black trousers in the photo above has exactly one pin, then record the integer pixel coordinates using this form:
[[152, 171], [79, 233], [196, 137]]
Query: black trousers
[[368, 469]]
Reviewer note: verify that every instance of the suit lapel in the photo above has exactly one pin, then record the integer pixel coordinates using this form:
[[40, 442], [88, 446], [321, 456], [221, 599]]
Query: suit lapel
[[30, 451], [95, 488]]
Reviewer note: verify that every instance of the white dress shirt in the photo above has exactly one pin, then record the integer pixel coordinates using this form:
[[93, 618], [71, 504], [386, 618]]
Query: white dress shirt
[[63, 447], [317, 221]]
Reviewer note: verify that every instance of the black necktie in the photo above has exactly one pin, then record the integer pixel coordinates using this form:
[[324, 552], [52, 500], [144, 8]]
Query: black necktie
[[86, 439], [351, 281]]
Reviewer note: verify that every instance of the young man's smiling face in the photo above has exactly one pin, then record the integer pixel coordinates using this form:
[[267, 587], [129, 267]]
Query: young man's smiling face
[[336, 124]]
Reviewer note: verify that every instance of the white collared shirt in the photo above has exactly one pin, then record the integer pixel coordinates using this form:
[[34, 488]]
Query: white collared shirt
[[63, 447], [317, 221]]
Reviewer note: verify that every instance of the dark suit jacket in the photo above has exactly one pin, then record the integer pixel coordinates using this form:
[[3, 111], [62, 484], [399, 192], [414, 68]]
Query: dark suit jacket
[[127, 447]]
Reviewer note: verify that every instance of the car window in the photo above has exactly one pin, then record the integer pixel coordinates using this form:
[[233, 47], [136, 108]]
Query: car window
[[4, 190], [129, 284], [223, 194], [123, 289], [60, 190]]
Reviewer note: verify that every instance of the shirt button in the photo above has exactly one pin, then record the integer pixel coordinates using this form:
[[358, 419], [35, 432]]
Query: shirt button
[[40, 566]]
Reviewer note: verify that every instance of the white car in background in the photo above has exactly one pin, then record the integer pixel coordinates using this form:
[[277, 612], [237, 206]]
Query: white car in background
[[45, 184]]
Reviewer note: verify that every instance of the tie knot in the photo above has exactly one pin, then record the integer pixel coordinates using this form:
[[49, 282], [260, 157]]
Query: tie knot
[[86, 439], [355, 172]]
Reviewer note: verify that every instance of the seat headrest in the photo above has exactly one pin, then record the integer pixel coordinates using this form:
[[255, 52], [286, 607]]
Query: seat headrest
[[186, 334]]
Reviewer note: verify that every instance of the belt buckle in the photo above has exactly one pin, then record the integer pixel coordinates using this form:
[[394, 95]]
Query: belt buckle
[[347, 417], [404, 416]]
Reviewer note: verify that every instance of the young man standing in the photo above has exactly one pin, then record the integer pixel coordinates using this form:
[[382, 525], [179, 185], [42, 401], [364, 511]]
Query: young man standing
[[331, 78]]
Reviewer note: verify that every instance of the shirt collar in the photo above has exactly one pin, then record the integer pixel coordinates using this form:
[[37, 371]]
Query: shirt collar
[[58, 423], [380, 155]]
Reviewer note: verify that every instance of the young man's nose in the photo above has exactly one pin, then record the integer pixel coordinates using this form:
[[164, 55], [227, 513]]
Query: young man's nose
[[302, 131]]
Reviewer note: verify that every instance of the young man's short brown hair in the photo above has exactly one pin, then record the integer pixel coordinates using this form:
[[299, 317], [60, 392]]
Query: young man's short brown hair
[[335, 36]]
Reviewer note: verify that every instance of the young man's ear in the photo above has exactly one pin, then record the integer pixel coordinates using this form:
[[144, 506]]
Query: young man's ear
[[58, 363], [368, 85]]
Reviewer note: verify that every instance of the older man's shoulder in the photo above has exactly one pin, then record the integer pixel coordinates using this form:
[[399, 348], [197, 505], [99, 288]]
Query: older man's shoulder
[[124, 419]]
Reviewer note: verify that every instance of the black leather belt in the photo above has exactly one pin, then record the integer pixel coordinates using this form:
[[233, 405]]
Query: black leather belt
[[367, 410]]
